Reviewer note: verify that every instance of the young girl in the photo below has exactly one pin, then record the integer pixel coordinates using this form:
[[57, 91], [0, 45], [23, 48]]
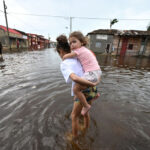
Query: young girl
[[92, 71]]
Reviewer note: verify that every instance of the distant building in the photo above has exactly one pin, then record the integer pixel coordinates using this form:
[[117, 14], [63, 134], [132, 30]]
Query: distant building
[[47, 43], [24, 41], [20, 40], [128, 42], [33, 41], [41, 42], [17, 39], [53, 44], [3, 37], [37, 41]]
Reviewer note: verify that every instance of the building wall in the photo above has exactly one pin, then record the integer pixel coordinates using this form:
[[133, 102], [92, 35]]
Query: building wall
[[13, 43], [134, 44], [98, 42], [134, 41], [115, 45], [23, 43], [29, 41], [3, 37], [147, 52]]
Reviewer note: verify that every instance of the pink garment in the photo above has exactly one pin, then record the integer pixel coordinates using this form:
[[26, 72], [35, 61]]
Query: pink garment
[[87, 59]]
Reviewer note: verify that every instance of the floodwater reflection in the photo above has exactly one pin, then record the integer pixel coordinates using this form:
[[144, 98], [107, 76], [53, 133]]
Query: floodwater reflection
[[125, 62], [35, 104]]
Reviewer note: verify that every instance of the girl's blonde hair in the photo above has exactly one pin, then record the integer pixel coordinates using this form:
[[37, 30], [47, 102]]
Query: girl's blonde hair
[[80, 37]]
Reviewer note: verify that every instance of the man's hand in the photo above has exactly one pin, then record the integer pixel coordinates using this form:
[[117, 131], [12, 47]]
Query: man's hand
[[96, 83]]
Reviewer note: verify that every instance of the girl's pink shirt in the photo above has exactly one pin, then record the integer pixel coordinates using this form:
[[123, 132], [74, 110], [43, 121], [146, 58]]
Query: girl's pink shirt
[[87, 59]]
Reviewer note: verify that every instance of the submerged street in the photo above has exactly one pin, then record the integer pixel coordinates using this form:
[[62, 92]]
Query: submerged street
[[35, 104]]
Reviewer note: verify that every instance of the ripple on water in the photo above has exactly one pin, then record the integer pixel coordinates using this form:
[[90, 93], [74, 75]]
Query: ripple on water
[[35, 105]]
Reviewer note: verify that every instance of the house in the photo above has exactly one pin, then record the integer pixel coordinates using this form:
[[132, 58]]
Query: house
[[3, 38], [37, 41], [119, 42], [47, 43], [16, 39], [32, 41], [41, 42], [24, 41], [29, 38], [20, 40]]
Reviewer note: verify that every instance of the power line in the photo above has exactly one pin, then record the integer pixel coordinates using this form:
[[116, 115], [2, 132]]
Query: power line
[[38, 15], [110, 18], [66, 17], [33, 27]]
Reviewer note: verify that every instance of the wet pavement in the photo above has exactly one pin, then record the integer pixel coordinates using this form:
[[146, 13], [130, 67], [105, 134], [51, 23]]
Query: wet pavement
[[35, 104]]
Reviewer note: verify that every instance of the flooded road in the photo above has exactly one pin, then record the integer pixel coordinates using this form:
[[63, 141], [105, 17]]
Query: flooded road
[[35, 104]]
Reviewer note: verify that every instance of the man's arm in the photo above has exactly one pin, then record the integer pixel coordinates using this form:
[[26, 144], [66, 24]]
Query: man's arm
[[69, 55], [82, 81]]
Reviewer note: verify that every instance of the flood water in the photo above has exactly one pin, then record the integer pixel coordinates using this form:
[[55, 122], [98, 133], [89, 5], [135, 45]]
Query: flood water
[[35, 104]]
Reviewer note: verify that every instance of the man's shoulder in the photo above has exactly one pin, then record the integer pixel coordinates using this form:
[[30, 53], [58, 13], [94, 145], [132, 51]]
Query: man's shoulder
[[72, 64], [69, 61]]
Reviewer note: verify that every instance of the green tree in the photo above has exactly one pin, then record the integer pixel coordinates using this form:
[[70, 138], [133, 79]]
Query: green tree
[[148, 27], [146, 40], [112, 22]]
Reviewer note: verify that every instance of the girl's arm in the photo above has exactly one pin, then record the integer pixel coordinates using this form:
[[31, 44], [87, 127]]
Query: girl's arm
[[80, 80], [69, 55]]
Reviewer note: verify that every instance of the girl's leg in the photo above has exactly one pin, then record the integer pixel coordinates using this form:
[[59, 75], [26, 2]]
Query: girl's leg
[[77, 90], [77, 107]]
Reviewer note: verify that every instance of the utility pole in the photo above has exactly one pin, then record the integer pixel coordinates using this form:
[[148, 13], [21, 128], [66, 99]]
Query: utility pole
[[71, 24], [5, 7]]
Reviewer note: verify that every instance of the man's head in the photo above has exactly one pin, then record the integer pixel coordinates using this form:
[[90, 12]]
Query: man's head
[[62, 46]]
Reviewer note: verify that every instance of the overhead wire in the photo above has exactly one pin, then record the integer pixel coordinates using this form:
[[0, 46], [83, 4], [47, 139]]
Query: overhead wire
[[75, 17], [26, 23], [39, 15]]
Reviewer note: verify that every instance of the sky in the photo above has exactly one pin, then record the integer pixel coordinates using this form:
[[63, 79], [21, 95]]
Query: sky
[[50, 26]]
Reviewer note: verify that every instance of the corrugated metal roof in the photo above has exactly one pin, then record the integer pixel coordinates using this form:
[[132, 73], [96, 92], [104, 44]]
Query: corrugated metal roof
[[120, 32], [20, 31], [104, 31], [31, 34], [10, 30]]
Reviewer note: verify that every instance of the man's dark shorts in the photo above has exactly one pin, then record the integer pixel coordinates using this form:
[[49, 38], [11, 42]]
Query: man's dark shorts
[[90, 93]]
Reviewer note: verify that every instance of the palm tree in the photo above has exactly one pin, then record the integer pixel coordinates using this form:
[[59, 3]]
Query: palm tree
[[112, 22], [146, 40], [148, 27]]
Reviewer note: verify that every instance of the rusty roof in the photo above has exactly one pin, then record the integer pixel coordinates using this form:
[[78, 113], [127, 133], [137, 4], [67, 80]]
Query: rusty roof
[[121, 32], [10, 30]]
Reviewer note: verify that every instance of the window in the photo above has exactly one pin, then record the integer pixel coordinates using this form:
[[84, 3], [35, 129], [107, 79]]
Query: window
[[130, 46], [101, 37], [98, 44]]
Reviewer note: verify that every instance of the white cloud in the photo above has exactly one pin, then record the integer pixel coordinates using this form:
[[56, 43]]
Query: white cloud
[[85, 8]]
